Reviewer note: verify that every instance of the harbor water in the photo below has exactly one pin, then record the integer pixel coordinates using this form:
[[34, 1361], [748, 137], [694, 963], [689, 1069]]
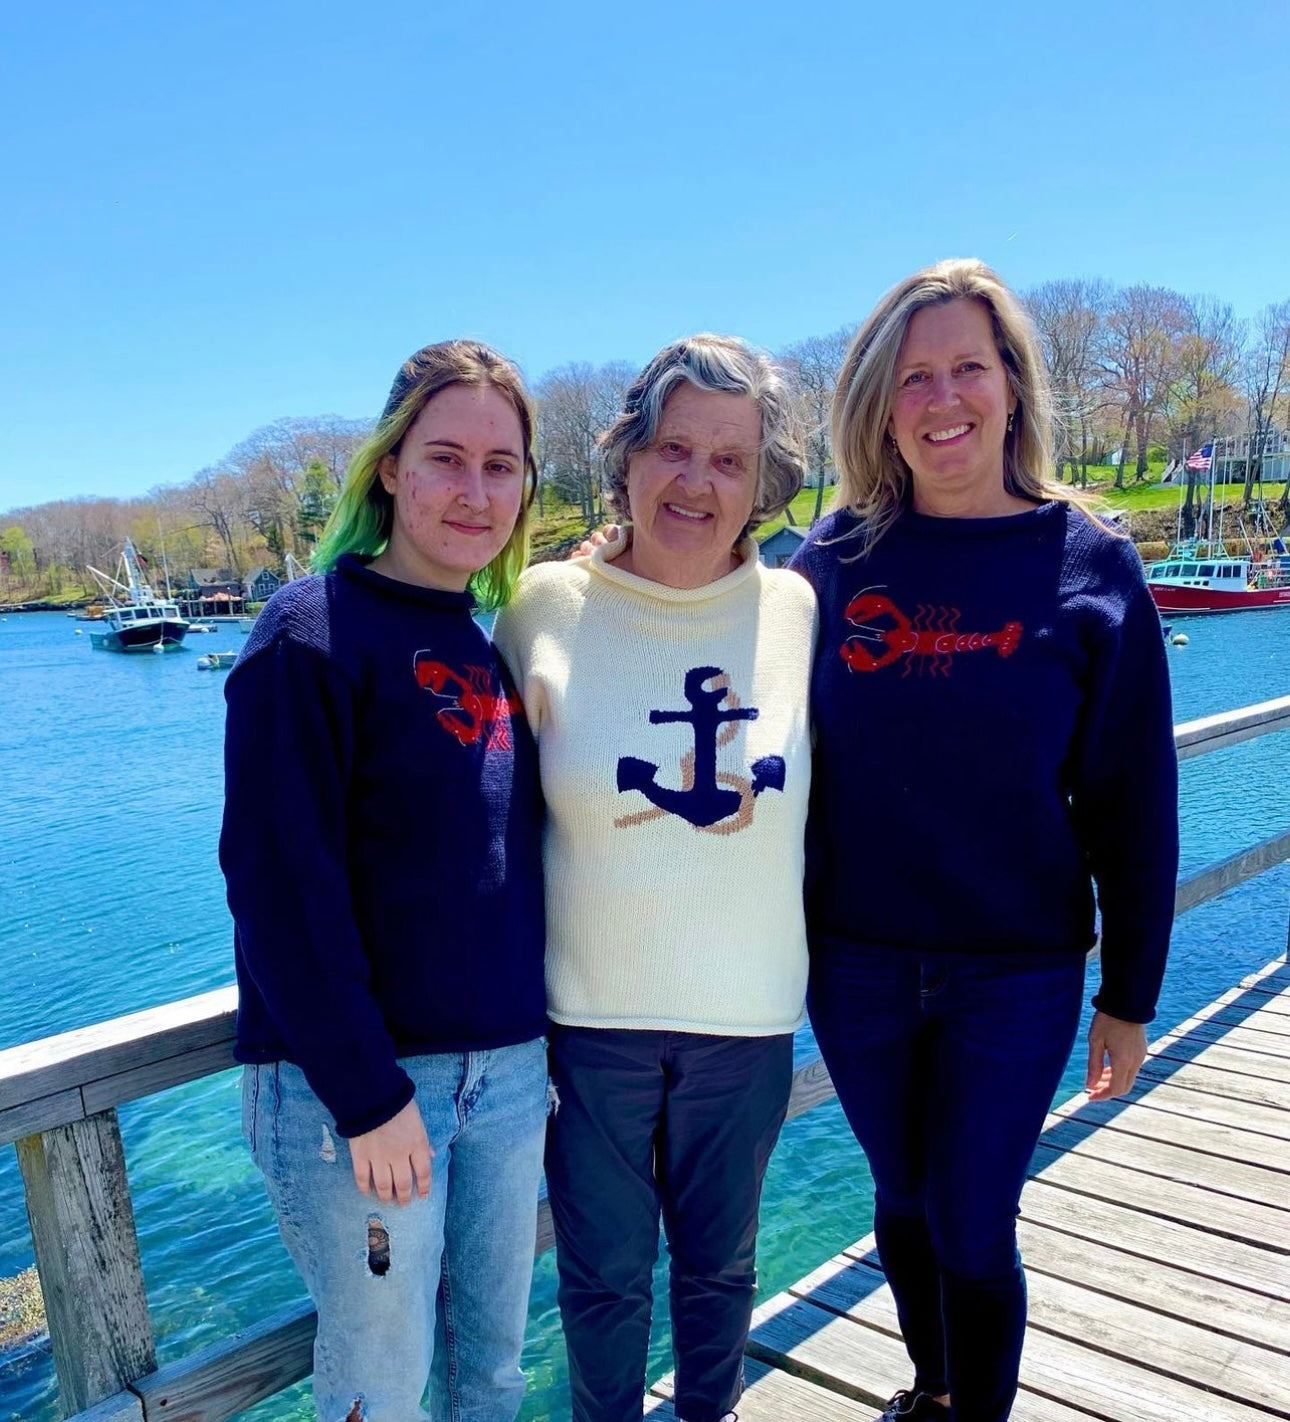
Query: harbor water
[[111, 900]]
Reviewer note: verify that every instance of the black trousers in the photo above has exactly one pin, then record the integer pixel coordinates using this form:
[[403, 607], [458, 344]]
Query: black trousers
[[676, 1124]]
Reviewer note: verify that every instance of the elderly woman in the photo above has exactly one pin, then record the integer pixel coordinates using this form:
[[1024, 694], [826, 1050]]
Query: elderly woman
[[666, 680], [993, 736]]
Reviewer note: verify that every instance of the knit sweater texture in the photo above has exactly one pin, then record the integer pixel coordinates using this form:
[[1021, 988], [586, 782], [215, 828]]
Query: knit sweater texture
[[381, 841], [993, 734], [674, 742]]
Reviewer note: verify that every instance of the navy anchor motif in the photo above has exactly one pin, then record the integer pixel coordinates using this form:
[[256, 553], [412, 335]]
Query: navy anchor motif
[[701, 800]]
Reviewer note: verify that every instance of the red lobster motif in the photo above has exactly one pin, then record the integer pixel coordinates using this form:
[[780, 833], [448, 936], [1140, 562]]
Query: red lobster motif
[[474, 709], [902, 636]]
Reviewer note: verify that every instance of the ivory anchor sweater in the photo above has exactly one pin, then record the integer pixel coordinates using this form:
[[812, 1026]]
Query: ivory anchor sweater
[[674, 742]]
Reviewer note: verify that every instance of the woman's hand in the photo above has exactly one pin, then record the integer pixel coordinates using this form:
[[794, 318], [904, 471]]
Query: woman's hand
[[609, 533], [393, 1156], [1116, 1050]]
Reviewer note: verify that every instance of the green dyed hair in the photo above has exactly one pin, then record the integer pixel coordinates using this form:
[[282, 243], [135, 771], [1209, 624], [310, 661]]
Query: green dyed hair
[[364, 513]]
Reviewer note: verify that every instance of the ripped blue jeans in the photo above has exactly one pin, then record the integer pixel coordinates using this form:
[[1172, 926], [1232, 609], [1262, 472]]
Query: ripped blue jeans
[[435, 1291]]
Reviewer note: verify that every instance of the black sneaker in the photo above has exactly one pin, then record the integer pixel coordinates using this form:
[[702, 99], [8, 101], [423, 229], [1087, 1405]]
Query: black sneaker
[[908, 1406]]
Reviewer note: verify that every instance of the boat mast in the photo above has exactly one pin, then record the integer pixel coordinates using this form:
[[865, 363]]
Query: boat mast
[[139, 591], [165, 567]]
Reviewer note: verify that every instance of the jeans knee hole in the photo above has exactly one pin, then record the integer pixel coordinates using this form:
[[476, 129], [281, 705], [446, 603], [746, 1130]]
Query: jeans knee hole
[[378, 1248]]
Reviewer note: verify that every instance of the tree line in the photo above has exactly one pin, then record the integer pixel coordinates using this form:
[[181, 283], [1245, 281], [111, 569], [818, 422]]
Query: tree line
[[1133, 368]]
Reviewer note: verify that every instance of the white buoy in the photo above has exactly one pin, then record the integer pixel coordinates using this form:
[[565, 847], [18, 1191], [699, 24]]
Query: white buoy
[[159, 648], [1179, 639], [79, 633]]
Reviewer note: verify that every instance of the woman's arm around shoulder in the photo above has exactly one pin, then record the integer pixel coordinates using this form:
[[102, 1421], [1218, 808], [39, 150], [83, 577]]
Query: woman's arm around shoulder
[[546, 597]]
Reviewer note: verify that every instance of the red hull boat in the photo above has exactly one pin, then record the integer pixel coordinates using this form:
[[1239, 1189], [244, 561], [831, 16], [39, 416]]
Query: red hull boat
[[1187, 585]]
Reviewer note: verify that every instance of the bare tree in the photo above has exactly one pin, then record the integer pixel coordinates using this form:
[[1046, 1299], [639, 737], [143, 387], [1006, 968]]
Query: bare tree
[[1139, 355], [1068, 316], [218, 498], [1205, 401], [812, 366], [1267, 391], [575, 403]]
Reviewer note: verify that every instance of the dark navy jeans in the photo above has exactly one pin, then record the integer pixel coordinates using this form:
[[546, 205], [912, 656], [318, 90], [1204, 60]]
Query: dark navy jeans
[[676, 1123], [946, 1064]]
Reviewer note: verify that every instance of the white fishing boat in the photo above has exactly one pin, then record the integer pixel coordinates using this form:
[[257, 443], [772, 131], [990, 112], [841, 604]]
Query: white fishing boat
[[136, 619]]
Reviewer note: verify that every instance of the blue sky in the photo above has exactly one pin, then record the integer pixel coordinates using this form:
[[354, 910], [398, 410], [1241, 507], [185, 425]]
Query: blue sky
[[217, 215]]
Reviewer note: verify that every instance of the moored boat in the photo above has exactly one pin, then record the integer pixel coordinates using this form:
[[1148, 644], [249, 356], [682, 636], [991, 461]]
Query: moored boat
[[1187, 584], [137, 620]]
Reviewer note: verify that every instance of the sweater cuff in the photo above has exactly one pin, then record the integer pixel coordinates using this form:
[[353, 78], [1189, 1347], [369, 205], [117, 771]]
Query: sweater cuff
[[356, 1123]]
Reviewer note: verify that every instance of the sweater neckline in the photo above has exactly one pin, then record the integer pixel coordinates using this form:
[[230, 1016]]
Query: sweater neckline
[[921, 525], [354, 567], [602, 560]]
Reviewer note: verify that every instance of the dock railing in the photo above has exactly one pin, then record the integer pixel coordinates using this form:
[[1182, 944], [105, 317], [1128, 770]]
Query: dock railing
[[58, 1100]]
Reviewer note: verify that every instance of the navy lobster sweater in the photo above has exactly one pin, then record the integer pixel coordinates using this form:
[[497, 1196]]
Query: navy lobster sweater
[[993, 734], [381, 840]]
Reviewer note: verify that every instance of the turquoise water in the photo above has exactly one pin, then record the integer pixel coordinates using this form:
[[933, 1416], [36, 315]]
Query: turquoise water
[[111, 900]]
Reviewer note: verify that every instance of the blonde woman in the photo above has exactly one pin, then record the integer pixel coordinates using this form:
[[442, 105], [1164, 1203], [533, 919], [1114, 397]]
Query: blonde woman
[[993, 740]]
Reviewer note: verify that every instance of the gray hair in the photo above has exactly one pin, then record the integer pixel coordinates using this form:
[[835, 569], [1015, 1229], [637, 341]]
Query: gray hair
[[726, 365]]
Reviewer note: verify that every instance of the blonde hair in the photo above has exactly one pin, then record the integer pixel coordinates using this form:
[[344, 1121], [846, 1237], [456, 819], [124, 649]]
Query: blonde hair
[[724, 364], [364, 513], [873, 478]]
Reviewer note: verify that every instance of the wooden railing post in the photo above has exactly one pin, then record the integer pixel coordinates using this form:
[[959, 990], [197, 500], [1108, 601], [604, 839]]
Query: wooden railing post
[[87, 1254]]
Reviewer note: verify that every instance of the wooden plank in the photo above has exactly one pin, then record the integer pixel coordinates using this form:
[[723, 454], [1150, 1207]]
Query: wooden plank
[[807, 1341], [29, 1118], [1216, 879], [158, 1076], [812, 1086], [1229, 728], [1207, 1138], [1189, 1352], [545, 1237], [1272, 977], [1238, 1038], [72, 1059], [120, 1407], [1200, 1076], [1172, 1161], [1218, 1057], [234, 1373], [1271, 996], [82, 1226], [1246, 1220], [1221, 1308], [1194, 1107], [1092, 1358], [1251, 1020], [772, 1396], [1151, 1237], [817, 1343]]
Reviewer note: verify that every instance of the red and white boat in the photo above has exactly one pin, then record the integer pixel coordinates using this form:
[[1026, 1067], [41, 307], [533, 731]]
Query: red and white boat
[[1185, 583]]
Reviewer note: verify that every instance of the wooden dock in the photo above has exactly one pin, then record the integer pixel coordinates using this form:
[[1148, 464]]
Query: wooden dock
[[1156, 1234]]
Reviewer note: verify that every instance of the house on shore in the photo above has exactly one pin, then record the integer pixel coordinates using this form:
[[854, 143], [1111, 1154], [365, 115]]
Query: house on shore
[[781, 545], [260, 585], [212, 592]]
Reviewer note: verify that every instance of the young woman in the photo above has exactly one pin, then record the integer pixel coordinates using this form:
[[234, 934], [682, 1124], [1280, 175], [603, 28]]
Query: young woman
[[382, 852]]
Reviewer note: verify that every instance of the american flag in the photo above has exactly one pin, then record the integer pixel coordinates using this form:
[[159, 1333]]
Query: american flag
[[1202, 459]]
